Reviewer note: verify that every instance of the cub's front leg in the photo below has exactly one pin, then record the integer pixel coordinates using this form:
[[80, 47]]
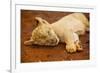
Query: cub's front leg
[[69, 40], [72, 42]]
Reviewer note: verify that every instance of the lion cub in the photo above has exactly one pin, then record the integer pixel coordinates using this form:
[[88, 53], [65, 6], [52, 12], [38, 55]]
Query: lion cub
[[66, 30]]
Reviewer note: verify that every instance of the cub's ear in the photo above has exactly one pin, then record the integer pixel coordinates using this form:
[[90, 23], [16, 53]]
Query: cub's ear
[[41, 21], [38, 18]]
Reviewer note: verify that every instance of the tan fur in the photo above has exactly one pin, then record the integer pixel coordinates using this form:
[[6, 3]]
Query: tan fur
[[70, 26], [65, 30]]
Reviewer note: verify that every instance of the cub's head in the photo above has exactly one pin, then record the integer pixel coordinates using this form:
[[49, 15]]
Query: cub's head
[[43, 34]]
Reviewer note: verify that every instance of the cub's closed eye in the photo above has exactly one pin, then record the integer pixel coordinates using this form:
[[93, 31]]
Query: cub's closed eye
[[43, 21], [48, 32]]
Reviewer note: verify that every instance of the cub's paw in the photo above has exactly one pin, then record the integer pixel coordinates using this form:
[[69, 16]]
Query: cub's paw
[[71, 48], [29, 42], [78, 46]]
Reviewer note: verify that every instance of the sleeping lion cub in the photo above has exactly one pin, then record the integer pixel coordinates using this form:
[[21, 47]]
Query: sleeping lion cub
[[66, 30]]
